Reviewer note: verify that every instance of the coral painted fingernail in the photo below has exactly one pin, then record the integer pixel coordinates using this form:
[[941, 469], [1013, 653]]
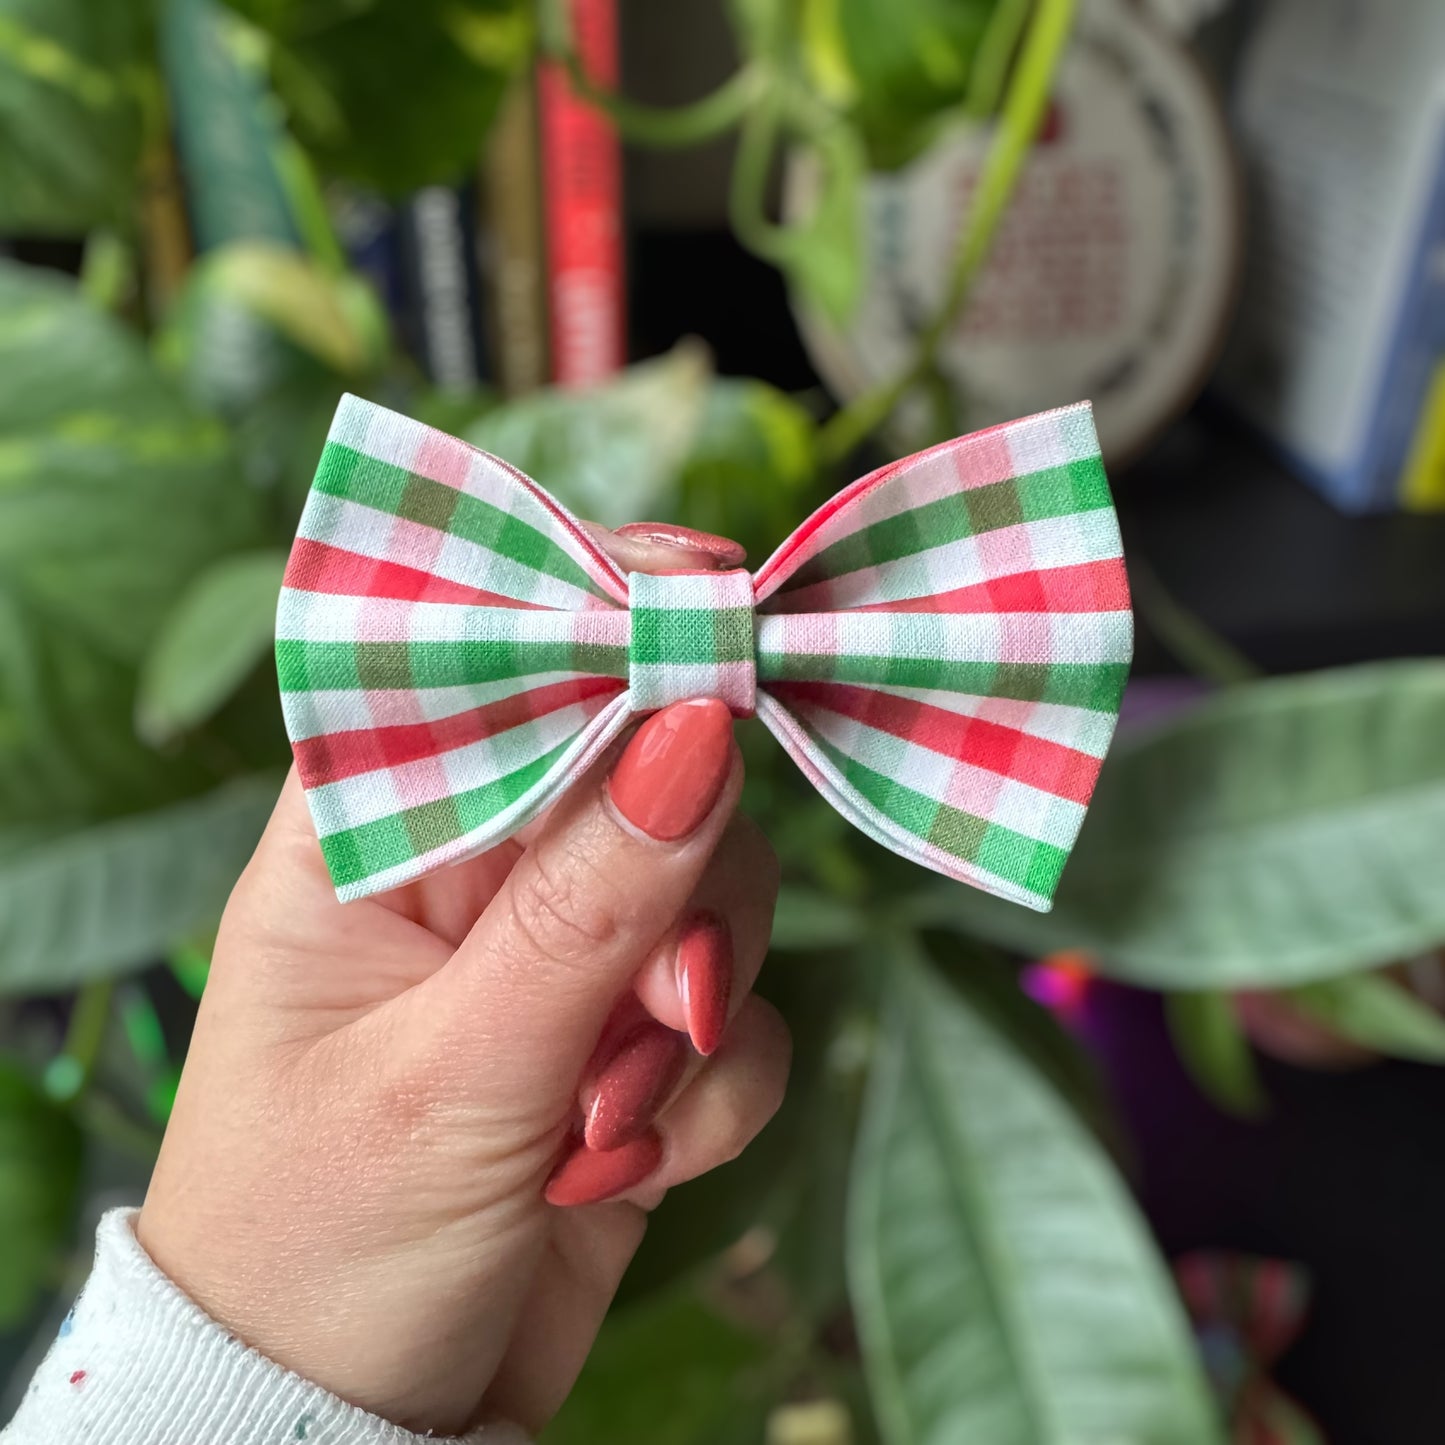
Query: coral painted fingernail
[[585, 1176], [705, 978], [723, 548], [670, 774], [633, 1084]]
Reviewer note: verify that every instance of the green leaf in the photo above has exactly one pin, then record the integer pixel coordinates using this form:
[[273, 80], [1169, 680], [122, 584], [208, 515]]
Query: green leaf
[[268, 340], [762, 26], [333, 318], [750, 471], [221, 628], [113, 489], [1004, 1285], [75, 906], [1375, 1012], [1286, 831], [613, 453], [907, 62], [995, 987], [73, 75], [114, 492], [1212, 1046], [40, 1154], [667, 1370], [807, 919], [396, 94]]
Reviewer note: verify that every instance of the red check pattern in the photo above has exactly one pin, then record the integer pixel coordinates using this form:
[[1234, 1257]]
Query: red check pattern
[[941, 648]]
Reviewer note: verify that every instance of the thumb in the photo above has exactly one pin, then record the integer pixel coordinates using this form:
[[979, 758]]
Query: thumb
[[527, 994]]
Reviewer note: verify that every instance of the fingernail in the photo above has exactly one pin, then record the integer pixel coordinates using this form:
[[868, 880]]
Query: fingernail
[[705, 978], [723, 548], [633, 1084], [671, 773], [586, 1177]]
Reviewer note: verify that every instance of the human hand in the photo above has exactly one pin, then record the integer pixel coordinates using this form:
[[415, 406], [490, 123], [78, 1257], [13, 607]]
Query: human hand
[[381, 1120]]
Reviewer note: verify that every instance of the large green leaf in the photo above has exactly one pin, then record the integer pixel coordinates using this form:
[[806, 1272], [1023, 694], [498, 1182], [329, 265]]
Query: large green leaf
[[668, 1371], [221, 628], [39, 1180], [81, 905], [1005, 1289], [72, 80], [395, 93], [613, 453], [899, 62], [268, 340], [1286, 831], [808, 919], [333, 318], [113, 489], [114, 493]]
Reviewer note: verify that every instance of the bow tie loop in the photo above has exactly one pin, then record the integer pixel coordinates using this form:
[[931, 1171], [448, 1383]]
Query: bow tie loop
[[692, 636]]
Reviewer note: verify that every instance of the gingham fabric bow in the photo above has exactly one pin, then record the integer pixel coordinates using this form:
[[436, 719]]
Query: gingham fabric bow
[[941, 649]]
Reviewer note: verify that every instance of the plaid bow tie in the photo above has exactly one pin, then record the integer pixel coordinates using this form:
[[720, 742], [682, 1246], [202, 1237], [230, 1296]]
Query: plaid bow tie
[[941, 648]]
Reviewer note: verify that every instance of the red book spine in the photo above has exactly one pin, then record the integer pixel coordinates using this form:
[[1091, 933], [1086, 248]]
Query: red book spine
[[582, 192]]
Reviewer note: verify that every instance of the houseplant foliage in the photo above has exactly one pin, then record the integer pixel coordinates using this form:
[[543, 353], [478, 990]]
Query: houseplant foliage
[[932, 1241]]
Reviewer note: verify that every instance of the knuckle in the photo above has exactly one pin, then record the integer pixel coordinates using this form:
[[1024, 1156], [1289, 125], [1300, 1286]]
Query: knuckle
[[561, 911], [748, 846], [751, 1107]]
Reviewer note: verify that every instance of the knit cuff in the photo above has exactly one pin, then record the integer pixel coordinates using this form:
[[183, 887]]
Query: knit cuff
[[137, 1362]]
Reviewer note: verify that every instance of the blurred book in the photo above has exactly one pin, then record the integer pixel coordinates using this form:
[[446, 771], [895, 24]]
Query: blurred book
[[440, 317], [366, 229], [514, 258], [1337, 353], [422, 257], [582, 192], [231, 142]]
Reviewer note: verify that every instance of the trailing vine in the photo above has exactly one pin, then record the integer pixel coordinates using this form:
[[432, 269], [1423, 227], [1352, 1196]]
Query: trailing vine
[[771, 101]]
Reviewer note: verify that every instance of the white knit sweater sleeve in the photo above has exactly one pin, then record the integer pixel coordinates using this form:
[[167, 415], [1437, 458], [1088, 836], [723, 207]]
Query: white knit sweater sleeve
[[139, 1363]]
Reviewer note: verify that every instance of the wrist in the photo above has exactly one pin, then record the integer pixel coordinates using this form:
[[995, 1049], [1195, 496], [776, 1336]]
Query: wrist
[[136, 1343]]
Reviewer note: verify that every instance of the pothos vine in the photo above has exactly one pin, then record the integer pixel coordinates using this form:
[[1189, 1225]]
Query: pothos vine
[[770, 102]]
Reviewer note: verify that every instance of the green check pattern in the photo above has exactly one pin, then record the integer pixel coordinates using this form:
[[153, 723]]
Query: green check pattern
[[692, 636], [942, 649]]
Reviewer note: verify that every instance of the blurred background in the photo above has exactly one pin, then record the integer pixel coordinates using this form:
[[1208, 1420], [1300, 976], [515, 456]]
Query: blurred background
[[1164, 1165]]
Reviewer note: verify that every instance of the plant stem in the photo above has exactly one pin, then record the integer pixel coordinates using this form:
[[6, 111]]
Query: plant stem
[[1205, 654], [661, 126], [994, 57], [71, 1071], [666, 127], [1024, 103], [107, 269], [749, 183]]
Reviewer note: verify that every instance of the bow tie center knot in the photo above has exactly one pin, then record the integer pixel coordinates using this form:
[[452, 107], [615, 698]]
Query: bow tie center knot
[[692, 636]]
